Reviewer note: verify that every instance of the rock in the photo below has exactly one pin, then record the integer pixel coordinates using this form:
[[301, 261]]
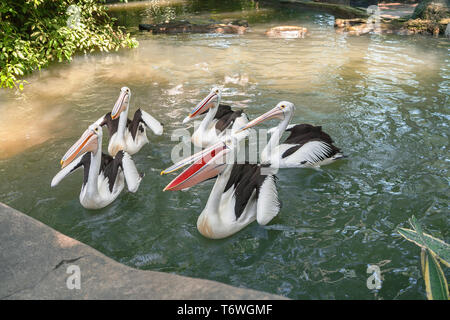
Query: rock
[[398, 26], [420, 26], [447, 31], [364, 3], [344, 2], [35, 260], [174, 27], [432, 10], [430, 17], [342, 23], [357, 26], [338, 10], [287, 32], [239, 22]]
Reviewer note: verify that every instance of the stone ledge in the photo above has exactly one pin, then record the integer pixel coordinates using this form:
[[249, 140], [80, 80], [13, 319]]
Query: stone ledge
[[34, 259], [338, 10]]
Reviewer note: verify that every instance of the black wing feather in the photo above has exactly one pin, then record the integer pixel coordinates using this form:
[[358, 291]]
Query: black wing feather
[[112, 124], [86, 163], [244, 178], [225, 116], [135, 124], [110, 167], [303, 133]]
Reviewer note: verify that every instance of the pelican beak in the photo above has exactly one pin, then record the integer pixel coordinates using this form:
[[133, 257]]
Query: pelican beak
[[276, 112], [121, 103], [87, 142], [213, 150], [210, 163], [205, 104]]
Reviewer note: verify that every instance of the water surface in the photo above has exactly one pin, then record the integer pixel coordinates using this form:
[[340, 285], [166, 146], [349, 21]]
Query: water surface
[[384, 100]]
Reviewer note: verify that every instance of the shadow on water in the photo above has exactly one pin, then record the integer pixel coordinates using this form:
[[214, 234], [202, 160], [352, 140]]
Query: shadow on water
[[383, 99]]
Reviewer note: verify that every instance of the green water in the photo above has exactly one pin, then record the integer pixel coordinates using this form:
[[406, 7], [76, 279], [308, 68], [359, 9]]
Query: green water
[[384, 100]]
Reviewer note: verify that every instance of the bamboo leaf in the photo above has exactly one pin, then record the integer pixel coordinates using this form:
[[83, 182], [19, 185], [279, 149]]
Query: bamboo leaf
[[436, 246], [435, 281], [416, 226]]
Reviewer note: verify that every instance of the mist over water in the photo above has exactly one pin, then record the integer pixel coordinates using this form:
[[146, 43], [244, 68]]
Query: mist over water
[[383, 99]]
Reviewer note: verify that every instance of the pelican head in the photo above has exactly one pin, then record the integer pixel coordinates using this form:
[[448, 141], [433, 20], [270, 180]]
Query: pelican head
[[281, 111], [208, 164], [122, 102], [88, 142], [212, 100]]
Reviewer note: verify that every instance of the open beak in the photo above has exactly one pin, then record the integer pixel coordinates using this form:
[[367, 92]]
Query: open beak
[[204, 105], [121, 104], [209, 163], [276, 112], [87, 142], [213, 150]]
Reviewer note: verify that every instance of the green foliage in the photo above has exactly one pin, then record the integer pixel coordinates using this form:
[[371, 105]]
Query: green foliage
[[432, 250], [437, 246], [435, 281], [36, 32]]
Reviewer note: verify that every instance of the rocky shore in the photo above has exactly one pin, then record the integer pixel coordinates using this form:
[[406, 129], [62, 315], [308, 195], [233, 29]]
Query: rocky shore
[[429, 17], [432, 19], [37, 262]]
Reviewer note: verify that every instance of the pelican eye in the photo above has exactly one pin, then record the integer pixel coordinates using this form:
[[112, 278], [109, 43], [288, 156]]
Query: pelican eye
[[283, 106]]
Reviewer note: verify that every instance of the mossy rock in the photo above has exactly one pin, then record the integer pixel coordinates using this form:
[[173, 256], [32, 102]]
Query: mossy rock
[[422, 26], [183, 26], [432, 10]]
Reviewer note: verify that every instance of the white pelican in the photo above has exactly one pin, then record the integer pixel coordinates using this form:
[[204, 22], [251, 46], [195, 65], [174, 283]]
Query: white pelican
[[241, 194], [125, 134], [103, 174], [216, 122], [306, 146]]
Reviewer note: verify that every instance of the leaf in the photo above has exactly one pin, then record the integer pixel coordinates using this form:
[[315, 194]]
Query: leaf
[[436, 246], [435, 281]]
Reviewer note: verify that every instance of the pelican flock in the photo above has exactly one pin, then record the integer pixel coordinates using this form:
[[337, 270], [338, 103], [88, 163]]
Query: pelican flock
[[243, 192]]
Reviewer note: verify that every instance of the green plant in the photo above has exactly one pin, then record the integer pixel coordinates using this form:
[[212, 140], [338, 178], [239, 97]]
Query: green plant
[[434, 251], [36, 32]]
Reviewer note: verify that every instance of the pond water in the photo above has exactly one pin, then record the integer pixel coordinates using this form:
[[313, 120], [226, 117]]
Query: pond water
[[384, 100]]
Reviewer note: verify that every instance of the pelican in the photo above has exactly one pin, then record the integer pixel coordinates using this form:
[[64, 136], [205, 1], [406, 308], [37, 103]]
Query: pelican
[[125, 134], [306, 146], [241, 194], [103, 175], [218, 119]]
